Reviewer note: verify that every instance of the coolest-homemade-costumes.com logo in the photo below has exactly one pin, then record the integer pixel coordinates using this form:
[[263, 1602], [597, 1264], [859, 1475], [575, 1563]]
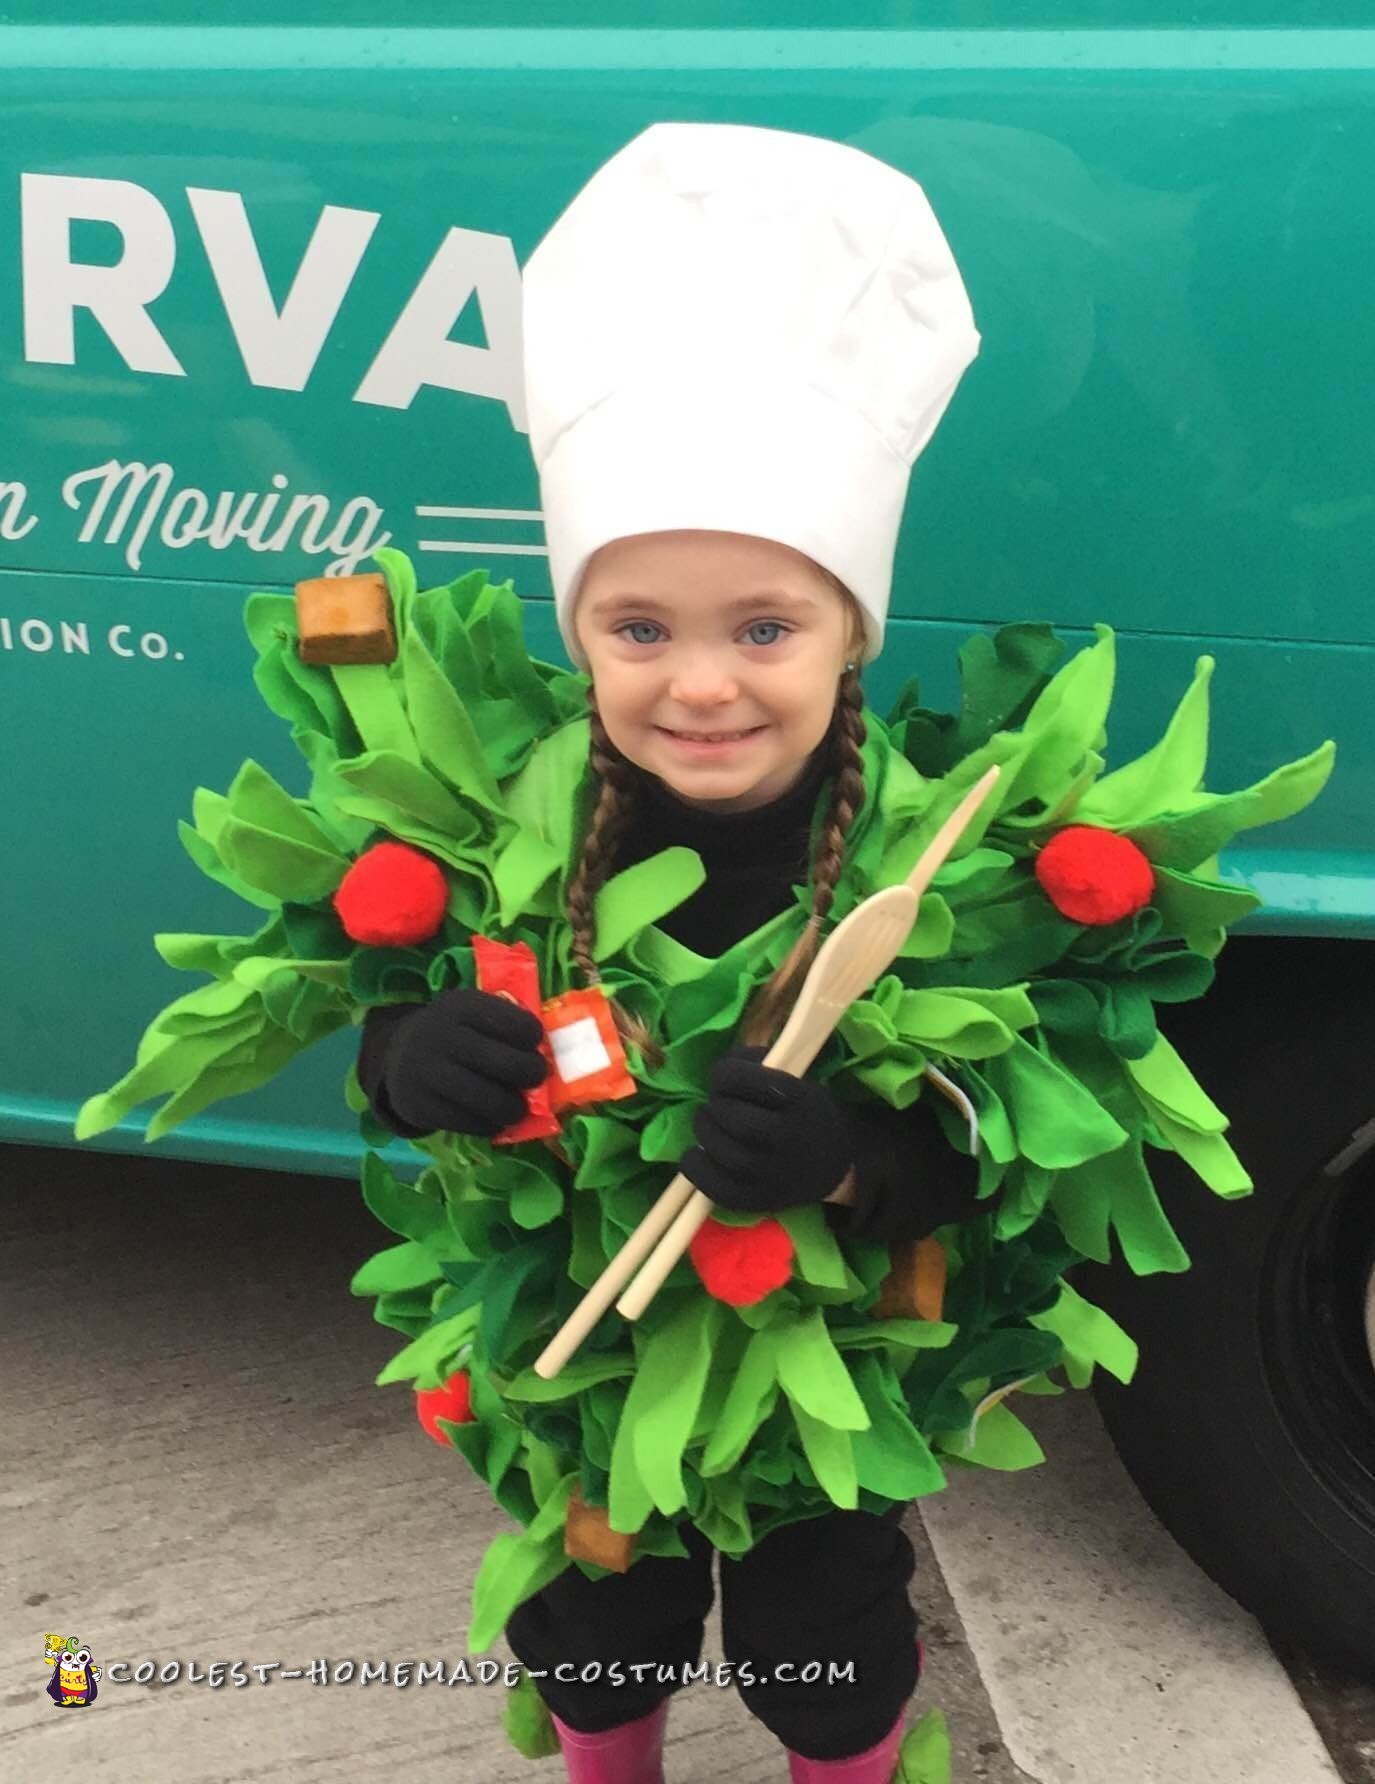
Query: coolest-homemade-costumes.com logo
[[74, 1677]]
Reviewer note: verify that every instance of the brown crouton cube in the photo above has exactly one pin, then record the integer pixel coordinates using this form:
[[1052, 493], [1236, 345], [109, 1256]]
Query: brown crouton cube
[[345, 619], [587, 1536]]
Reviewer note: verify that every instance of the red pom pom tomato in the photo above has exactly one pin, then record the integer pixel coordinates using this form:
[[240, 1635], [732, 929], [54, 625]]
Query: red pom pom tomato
[[742, 1264], [392, 896], [453, 1401], [1094, 876]]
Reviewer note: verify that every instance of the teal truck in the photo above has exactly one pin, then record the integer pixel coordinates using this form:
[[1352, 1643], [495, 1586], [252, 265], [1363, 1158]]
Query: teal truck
[[259, 318]]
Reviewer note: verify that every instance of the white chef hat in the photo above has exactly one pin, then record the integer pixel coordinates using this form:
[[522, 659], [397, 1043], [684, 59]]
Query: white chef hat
[[741, 330]]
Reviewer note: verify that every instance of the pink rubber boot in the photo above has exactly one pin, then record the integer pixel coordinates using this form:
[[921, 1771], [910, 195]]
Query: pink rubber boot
[[874, 1766], [629, 1753]]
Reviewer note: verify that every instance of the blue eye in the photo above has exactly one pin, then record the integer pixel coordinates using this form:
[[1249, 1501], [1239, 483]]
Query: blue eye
[[769, 625]]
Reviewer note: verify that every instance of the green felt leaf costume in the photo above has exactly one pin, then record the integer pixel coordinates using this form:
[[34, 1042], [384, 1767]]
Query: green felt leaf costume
[[740, 1419]]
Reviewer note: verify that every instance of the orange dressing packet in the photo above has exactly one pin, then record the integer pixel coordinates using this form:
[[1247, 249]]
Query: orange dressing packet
[[584, 1051], [589, 1060]]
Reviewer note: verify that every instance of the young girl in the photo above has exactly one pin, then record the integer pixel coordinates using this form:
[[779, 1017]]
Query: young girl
[[753, 642], [736, 343]]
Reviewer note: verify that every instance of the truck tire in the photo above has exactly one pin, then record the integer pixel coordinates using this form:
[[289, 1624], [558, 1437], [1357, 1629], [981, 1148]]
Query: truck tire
[[1250, 1425]]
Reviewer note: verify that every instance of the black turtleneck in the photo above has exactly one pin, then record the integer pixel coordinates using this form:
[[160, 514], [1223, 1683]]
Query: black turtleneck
[[753, 859], [909, 1179]]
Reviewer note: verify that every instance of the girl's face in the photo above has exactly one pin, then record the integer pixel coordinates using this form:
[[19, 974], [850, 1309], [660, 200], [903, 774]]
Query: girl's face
[[706, 634]]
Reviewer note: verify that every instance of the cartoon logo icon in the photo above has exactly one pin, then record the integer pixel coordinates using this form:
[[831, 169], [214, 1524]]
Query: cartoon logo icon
[[73, 1680]]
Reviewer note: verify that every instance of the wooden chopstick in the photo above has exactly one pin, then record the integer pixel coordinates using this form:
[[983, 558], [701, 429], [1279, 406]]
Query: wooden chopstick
[[850, 959]]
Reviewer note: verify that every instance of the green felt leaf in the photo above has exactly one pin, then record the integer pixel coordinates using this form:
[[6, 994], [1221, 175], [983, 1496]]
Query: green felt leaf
[[1183, 839], [817, 1258], [1001, 1441], [269, 618], [405, 1310], [661, 1407], [902, 1334], [538, 797], [724, 1518], [831, 1455], [1128, 1019], [399, 575], [515, 1567], [641, 894], [214, 1023], [265, 972], [356, 1098], [526, 1719], [597, 1435], [373, 698], [1026, 1189], [1165, 1082], [895, 1076], [1149, 1243], [659, 957], [732, 1342], [1089, 1335], [1210, 1155], [1056, 1120], [1081, 1198], [628, 1502], [202, 953], [303, 694], [1167, 776], [426, 1354], [576, 1375], [392, 782], [521, 869], [1065, 722], [535, 1196], [256, 799], [210, 811], [1188, 903], [514, 1272], [350, 834], [891, 1456], [925, 1754], [410, 1265], [276, 864], [813, 1374], [498, 629], [999, 678], [1005, 942], [955, 1022], [668, 1133], [444, 732], [752, 1396], [255, 1061], [203, 853]]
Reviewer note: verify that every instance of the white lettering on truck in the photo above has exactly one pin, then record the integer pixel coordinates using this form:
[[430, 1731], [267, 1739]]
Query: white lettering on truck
[[189, 517], [279, 348], [13, 525]]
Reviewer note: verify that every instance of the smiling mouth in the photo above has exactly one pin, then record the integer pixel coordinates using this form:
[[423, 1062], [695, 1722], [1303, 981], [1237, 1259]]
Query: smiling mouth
[[710, 736]]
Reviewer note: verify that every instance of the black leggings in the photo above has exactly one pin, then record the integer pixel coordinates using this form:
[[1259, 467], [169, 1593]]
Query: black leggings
[[831, 1589]]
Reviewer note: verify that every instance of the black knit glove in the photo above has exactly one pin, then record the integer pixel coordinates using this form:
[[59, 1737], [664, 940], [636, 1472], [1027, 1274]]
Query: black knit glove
[[459, 1063], [767, 1140]]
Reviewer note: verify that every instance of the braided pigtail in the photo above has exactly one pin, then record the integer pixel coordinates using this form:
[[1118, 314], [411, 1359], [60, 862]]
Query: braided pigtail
[[614, 808], [768, 1010]]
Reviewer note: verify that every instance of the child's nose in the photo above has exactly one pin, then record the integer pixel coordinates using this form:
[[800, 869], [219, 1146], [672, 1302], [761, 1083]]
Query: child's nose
[[703, 681]]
